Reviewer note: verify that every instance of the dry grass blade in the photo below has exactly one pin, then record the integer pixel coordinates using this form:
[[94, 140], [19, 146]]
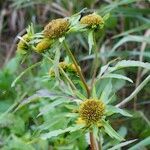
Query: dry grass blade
[[139, 73], [134, 93]]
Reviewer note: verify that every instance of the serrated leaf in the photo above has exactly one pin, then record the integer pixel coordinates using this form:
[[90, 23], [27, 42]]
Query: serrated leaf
[[61, 131], [111, 132], [110, 110]]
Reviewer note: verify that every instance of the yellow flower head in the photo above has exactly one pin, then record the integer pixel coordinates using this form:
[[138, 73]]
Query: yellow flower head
[[92, 20], [22, 46], [56, 28], [91, 111], [43, 45]]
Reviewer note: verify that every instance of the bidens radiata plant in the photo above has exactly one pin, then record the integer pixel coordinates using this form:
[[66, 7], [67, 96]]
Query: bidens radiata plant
[[77, 105]]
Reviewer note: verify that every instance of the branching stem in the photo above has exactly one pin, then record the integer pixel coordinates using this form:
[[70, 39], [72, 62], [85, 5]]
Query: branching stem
[[77, 67], [64, 74]]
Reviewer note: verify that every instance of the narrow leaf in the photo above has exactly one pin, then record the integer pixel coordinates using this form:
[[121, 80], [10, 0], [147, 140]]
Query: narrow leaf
[[141, 144], [61, 131], [116, 147], [51, 106], [131, 38], [110, 110], [25, 71], [111, 132], [117, 76], [106, 93], [129, 63]]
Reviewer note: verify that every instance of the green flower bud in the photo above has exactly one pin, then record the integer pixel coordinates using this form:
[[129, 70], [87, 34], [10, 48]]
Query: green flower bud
[[22, 46], [43, 45]]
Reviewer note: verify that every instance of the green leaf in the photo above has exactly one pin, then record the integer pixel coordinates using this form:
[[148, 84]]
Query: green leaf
[[25, 71], [118, 146], [52, 105], [43, 93], [129, 63], [106, 93], [141, 145], [13, 64], [94, 95], [74, 19], [56, 61], [61, 131], [131, 38], [18, 143], [80, 95], [110, 110], [117, 76], [136, 29], [90, 41], [111, 132], [105, 18]]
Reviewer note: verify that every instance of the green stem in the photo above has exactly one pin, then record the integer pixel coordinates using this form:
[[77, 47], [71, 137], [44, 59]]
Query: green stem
[[93, 143], [95, 62], [77, 67]]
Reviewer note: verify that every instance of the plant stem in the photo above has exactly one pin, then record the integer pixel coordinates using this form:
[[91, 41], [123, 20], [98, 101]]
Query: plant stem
[[93, 143], [77, 67], [95, 62]]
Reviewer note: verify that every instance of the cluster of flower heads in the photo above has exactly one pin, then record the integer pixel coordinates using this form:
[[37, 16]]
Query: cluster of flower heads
[[54, 30], [91, 110]]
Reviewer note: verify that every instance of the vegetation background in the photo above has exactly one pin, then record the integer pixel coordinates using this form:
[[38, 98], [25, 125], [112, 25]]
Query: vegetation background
[[126, 34]]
